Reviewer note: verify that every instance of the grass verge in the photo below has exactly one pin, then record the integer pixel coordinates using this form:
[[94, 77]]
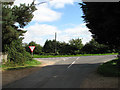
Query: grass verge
[[27, 64], [50, 56], [109, 69]]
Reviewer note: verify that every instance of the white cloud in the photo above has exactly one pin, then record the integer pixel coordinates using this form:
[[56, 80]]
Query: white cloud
[[41, 32], [62, 3], [45, 14], [78, 29]]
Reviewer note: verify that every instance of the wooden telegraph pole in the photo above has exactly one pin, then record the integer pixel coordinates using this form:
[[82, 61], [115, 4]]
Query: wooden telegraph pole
[[55, 42]]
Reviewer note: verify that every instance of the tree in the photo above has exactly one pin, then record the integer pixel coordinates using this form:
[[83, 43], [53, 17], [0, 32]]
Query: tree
[[77, 44], [103, 21], [49, 46], [37, 50], [11, 33], [65, 49], [93, 47], [11, 15]]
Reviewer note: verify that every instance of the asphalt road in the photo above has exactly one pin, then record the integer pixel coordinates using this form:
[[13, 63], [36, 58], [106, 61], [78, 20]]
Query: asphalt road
[[67, 72]]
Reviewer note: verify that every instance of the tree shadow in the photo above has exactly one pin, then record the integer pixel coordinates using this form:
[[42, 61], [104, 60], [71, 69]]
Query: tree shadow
[[56, 76]]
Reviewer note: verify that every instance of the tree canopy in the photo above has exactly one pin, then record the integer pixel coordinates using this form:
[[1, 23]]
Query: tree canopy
[[103, 21], [12, 15], [77, 44], [93, 47], [14, 18]]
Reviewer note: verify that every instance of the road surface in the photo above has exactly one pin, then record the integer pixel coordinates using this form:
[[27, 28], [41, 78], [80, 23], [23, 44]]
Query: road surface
[[67, 72]]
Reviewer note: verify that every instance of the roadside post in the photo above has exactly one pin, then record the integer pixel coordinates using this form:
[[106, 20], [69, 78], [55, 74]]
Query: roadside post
[[32, 49]]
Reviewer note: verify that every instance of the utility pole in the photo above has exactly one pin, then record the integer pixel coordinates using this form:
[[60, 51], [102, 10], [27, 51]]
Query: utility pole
[[55, 42]]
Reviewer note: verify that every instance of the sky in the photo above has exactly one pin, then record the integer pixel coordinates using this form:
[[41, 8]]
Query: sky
[[60, 16]]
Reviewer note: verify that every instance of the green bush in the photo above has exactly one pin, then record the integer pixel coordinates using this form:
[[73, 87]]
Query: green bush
[[10, 65], [17, 53], [109, 69]]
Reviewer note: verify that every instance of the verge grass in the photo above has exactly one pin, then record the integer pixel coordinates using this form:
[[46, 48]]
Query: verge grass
[[27, 64], [109, 69], [50, 56]]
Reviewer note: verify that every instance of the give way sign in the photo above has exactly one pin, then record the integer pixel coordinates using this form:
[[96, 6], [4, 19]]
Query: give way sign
[[32, 48]]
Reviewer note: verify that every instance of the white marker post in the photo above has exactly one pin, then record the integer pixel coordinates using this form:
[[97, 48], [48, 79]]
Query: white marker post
[[32, 49]]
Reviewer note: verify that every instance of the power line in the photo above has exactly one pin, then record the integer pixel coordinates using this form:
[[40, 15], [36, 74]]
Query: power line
[[42, 2]]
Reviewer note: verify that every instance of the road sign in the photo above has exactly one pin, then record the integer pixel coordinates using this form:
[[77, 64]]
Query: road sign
[[32, 48]]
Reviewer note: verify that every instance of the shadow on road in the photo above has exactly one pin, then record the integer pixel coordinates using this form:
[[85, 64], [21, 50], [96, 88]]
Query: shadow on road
[[56, 76]]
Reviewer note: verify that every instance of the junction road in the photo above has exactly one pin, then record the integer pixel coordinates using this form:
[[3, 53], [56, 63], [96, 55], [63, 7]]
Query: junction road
[[67, 72]]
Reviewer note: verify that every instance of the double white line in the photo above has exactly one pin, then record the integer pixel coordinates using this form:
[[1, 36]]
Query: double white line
[[73, 63]]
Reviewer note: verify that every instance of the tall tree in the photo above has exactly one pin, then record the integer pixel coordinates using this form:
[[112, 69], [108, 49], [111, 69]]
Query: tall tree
[[93, 47], [12, 33], [77, 44], [103, 21], [50, 46], [12, 15]]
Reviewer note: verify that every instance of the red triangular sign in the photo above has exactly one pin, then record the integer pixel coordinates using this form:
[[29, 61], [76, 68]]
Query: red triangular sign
[[32, 48]]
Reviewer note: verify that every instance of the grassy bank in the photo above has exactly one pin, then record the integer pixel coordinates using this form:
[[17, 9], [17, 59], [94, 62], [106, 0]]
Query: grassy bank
[[50, 56], [27, 64], [109, 69]]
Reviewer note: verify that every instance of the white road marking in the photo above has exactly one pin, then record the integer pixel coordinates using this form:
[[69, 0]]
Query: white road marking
[[77, 58], [73, 63]]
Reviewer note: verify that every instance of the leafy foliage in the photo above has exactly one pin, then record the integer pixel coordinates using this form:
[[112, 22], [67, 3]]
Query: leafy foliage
[[21, 15], [76, 45], [37, 50], [17, 53], [12, 34], [93, 47], [103, 21], [49, 46], [109, 68]]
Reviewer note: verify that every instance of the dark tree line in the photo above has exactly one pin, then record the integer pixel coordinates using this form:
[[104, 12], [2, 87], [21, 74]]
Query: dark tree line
[[73, 47], [102, 19]]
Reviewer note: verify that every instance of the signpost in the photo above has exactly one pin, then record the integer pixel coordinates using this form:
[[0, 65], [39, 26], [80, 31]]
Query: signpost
[[32, 49]]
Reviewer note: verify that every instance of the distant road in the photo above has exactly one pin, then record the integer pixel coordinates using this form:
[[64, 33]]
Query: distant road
[[67, 72]]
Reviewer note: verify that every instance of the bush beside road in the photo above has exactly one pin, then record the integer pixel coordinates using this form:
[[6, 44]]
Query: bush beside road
[[27, 64], [109, 69]]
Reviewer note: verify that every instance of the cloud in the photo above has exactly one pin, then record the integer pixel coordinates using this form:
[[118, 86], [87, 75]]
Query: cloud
[[41, 32], [45, 14], [62, 3]]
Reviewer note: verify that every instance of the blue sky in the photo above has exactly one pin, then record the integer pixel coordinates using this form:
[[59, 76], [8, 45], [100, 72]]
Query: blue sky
[[61, 16]]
